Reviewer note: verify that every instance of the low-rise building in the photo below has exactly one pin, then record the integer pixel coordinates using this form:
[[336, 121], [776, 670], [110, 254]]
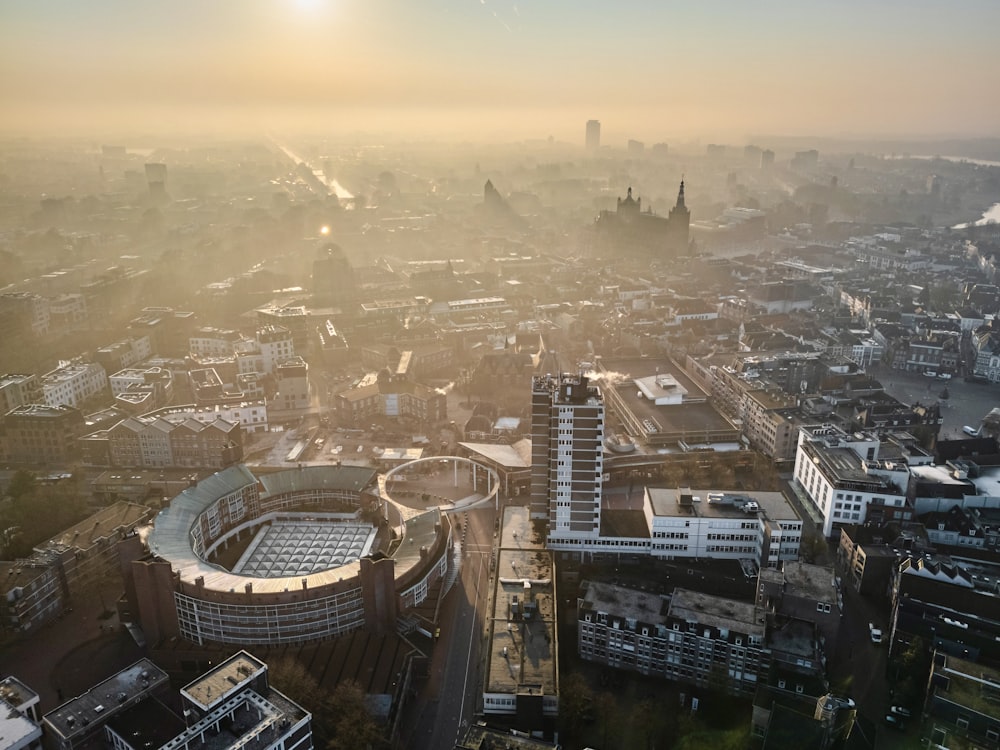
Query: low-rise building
[[38, 589], [719, 525], [804, 592], [867, 554], [389, 396], [17, 389], [41, 434], [522, 664], [72, 383], [689, 637], [226, 708], [962, 700], [951, 605], [20, 728], [841, 476], [159, 442]]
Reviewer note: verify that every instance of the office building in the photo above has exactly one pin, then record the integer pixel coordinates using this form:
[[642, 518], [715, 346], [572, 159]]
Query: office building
[[593, 135], [840, 474], [567, 450], [229, 707], [40, 434], [761, 528]]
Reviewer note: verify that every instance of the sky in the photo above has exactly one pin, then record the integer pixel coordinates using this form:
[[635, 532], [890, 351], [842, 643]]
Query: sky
[[485, 69]]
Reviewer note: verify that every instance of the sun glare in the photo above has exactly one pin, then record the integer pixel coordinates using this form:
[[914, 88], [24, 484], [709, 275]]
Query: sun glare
[[309, 5]]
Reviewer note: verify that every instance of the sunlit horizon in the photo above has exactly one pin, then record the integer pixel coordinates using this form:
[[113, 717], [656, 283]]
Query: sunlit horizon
[[483, 70]]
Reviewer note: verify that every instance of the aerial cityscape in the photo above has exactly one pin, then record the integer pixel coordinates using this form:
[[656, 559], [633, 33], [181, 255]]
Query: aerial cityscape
[[480, 376]]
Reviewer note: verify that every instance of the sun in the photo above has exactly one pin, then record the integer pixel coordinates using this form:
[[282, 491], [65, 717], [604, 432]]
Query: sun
[[309, 5]]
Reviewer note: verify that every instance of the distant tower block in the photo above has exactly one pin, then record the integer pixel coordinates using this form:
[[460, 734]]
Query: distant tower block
[[593, 135], [156, 179]]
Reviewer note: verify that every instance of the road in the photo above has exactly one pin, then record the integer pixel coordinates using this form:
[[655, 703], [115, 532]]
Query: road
[[451, 697]]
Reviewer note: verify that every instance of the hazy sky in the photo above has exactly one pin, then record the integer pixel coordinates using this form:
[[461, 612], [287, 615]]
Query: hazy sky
[[652, 70]]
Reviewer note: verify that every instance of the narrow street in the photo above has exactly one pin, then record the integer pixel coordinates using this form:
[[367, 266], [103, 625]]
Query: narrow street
[[450, 699]]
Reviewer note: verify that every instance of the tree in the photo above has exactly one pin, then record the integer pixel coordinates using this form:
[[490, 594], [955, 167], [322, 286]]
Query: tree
[[354, 728], [576, 701], [21, 484]]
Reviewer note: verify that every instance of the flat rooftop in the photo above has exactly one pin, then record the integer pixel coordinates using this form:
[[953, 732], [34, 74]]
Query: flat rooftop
[[813, 582], [970, 684], [715, 611], [625, 602], [226, 679], [523, 644], [73, 717], [714, 503]]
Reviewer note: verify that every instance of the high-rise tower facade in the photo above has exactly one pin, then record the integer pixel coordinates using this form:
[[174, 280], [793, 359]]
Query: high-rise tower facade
[[593, 135], [567, 457]]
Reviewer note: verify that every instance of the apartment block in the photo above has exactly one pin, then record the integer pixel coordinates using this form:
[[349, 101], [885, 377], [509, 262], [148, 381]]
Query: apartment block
[[40, 434], [689, 637], [18, 389], [567, 472], [72, 383], [37, 589]]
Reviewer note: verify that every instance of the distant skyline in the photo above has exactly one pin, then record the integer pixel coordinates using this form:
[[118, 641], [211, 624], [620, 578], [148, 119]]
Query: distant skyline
[[488, 70]]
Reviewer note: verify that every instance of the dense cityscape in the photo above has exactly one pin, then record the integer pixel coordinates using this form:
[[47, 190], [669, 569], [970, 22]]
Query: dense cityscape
[[476, 443], [481, 375]]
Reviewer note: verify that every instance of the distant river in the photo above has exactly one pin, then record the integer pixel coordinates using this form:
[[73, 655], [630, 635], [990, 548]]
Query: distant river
[[990, 214], [956, 159]]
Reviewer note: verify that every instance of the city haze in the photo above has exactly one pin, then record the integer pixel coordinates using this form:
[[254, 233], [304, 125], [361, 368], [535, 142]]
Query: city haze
[[482, 69]]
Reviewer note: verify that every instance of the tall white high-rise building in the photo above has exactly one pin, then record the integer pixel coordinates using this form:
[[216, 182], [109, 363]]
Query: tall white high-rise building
[[567, 466]]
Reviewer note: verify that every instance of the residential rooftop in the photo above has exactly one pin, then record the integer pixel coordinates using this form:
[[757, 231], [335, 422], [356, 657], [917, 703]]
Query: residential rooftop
[[716, 611]]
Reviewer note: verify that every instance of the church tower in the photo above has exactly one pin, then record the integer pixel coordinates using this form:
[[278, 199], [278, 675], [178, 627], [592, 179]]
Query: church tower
[[679, 224]]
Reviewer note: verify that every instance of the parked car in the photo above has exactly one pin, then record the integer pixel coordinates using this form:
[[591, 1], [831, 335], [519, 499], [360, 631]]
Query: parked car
[[895, 722], [875, 633], [900, 711]]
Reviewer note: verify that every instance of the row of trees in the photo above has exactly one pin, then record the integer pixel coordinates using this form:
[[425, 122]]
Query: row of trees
[[340, 717], [587, 718], [31, 512]]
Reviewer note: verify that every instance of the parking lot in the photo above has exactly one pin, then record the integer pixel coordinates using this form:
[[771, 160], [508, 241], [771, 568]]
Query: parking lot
[[967, 403]]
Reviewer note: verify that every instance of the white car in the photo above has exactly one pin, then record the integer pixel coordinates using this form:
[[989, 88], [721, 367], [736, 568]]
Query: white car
[[875, 633]]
